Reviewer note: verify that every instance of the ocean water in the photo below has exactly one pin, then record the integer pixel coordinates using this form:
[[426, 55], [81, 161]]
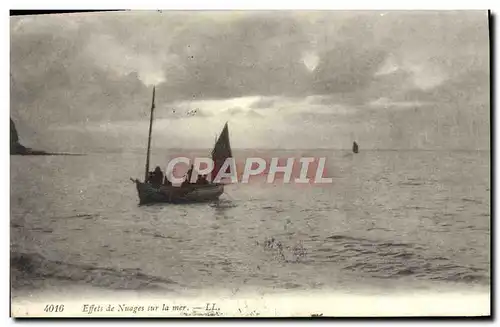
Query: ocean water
[[398, 220]]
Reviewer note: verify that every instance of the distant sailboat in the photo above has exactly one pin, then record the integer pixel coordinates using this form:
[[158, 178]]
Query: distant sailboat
[[186, 193], [355, 147]]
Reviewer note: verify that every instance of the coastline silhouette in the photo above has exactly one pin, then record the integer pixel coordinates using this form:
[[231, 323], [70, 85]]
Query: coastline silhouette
[[16, 148]]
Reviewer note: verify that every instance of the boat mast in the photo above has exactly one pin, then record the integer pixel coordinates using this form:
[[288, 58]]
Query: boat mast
[[149, 138]]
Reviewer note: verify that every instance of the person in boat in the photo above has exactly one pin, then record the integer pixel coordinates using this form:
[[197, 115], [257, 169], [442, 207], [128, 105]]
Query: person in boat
[[157, 178], [187, 181], [150, 177], [166, 182], [202, 180]]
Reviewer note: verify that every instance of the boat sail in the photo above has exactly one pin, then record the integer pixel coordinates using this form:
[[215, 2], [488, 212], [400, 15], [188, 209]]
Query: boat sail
[[187, 192], [221, 151]]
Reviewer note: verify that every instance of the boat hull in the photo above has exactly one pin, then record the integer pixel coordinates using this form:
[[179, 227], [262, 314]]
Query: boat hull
[[148, 193]]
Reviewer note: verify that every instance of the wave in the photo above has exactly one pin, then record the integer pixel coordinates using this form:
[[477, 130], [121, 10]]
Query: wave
[[377, 258], [32, 270]]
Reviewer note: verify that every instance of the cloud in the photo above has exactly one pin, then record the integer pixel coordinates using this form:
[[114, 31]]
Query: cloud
[[115, 57], [221, 55], [264, 102], [282, 66], [238, 111], [386, 103]]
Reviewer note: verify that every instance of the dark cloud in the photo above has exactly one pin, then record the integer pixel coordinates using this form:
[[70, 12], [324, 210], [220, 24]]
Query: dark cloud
[[355, 73], [100, 67], [223, 55]]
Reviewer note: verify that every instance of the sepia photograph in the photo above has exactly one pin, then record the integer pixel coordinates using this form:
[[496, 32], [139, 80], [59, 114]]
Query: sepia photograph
[[288, 163]]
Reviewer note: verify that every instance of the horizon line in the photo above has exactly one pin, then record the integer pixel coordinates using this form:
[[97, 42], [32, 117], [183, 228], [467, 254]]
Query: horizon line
[[134, 150]]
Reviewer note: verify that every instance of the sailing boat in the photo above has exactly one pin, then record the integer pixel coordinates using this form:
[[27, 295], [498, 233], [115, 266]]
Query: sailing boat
[[355, 147], [187, 192]]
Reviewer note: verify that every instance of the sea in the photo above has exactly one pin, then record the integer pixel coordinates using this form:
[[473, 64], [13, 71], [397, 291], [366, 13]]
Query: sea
[[390, 221]]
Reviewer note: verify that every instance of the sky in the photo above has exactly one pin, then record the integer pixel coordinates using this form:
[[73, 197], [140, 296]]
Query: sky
[[285, 79]]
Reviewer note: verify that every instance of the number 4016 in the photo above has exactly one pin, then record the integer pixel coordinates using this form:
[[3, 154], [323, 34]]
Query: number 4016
[[54, 308]]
